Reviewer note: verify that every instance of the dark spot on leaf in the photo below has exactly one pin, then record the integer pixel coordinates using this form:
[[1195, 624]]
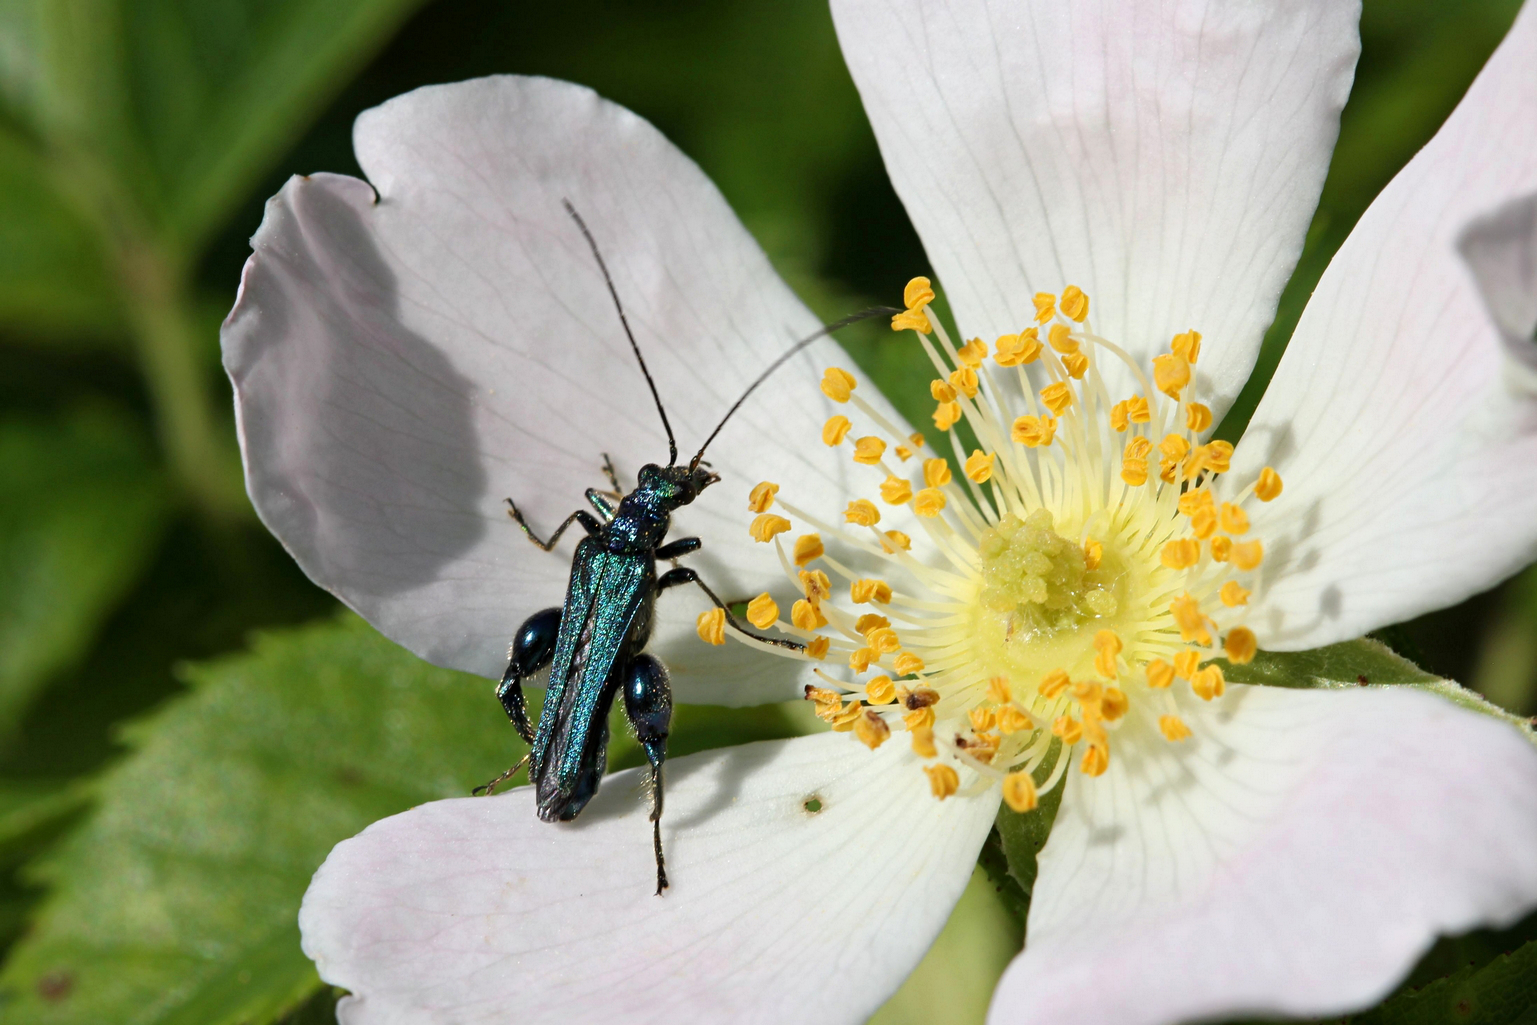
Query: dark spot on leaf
[[349, 775], [56, 985], [812, 804], [1464, 1008], [1361, 679]]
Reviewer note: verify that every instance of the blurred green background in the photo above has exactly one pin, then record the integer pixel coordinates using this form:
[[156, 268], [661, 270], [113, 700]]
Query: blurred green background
[[186, 726]]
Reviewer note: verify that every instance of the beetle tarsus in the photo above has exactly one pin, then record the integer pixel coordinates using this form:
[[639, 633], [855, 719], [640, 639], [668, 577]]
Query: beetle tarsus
[[487, 789]]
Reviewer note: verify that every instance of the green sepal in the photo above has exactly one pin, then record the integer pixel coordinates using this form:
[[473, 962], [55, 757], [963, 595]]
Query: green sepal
[[1009, 854]]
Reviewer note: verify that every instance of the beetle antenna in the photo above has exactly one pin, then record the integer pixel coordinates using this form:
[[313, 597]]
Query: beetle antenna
[[874, 311], [672, 444]]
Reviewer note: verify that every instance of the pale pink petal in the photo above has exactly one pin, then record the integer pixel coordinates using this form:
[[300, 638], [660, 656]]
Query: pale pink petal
[[472, 910], [1163, 155], [1410, 464], [403, 364], [1501, 250], [1294, 857]]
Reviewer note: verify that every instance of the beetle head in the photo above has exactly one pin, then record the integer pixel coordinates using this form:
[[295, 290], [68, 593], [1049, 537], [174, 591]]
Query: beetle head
[[675, 486]]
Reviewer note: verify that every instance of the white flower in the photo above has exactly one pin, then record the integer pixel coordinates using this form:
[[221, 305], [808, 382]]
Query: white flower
[[404, 361]]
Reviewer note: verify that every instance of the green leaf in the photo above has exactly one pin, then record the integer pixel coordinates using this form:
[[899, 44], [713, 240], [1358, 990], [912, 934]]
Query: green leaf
[[1503, 992], [1362, 663], [1009, 854], [81, 508]]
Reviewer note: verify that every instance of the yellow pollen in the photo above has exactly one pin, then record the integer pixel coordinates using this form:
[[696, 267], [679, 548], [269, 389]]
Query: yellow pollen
[[1173, 728], [766, 525], [1134, 472], [1221, 548], [1068, 729], [941, 391], [895, 540], [896, 491], [1019, 792], [1186, 663], [1020, 349], [1074, 304], [762, 497], [870, 621], [1180, 554], [1011, 720], [815, 585], [1159, 674], [929, 502], [860, 659], [1113, 704], [762, 612], [1053, 684], [868, 450], [1106, 647], [912, 320], [871, 730], [1138, 409], [880, 690], [1060, 339], [1034, 431], [964, 381], [947, 415], [922, 718], [1166, 470], [903, 453], [982, 718], [1187, 346], [1247, 555], [1208, 683], [1093, 553], [943, 780], [918, 293], [1240, 645], [1174, 446], [1171, 373], [1195, 500], [1095, 760], [848, 718], [807, 548], [884, 640], [979, 466], [806, 616], [1203, 525], [818, 648], [923, 741], [1233, 595], [712, 626], [1188, 617], [916, 439], [1045, 307], [1057, 397], [972, 353], [1268, 487], [1197, 417], [1119, 420], [998, 690], [837, 383], [863, 512], [936, 473], [835, 430], [867, 590], [1234, 519], [907, 663], [1076, 364]]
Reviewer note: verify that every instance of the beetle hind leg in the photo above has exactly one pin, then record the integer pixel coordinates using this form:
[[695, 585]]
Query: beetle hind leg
[[648, 706]]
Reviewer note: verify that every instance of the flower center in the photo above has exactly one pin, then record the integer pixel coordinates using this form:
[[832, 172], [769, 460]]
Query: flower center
[[1064, 589]]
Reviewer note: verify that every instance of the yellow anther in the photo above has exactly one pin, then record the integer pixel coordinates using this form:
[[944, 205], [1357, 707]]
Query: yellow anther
[[845, 720], [943, 780], [822, 696], [1268, 487], [807, 548], [1067, 728], [1060, 338], [1208, 683], [936, 473], [1012, 720], [712, 626], [868, 589], [964, 381], [1053, 684], [1167, 469], [1234, 519], [1019, 792], [979, 466], [1134, 472], [982, 718], [1107, 645], [1076, 364], [1045, 307], [929, 502], [1074, 304], [1034, 431], [868, 450], [863, 512], [884, 640], [1197, 417], [895, 541], [871, 729], [835, 430], [837, 383], [1181, 554], [1247, 555], [1113, 704], [860, 659], [762, 497], [972, 353], [1187, 346], [1204, 523], [1217, 456], [765, 525], [815, 585], [998, 691], [1196, 499], [1096, 759], [1174, 446], [907, 663], [940, 390], [1171, 373], [903, 453], [1232, 595], [762, 611], [1173, 728], [912, 320], [806, 616], [1240, 645], [870, 621], [817, 648], [918, 293], [1088, 693], [1120, 419], [947, 415], [916, 439], [880, 690], [1159, 674], [1221, 548], [1188, 617], [1057, 397], [1093, 553], [1017, 350], [921, 719], [1186, 663], [1137, 409], [923, 741]]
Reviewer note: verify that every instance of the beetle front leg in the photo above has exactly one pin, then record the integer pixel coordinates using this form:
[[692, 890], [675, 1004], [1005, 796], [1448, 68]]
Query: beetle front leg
[[686, 575], [648, 706], [589, 524]]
